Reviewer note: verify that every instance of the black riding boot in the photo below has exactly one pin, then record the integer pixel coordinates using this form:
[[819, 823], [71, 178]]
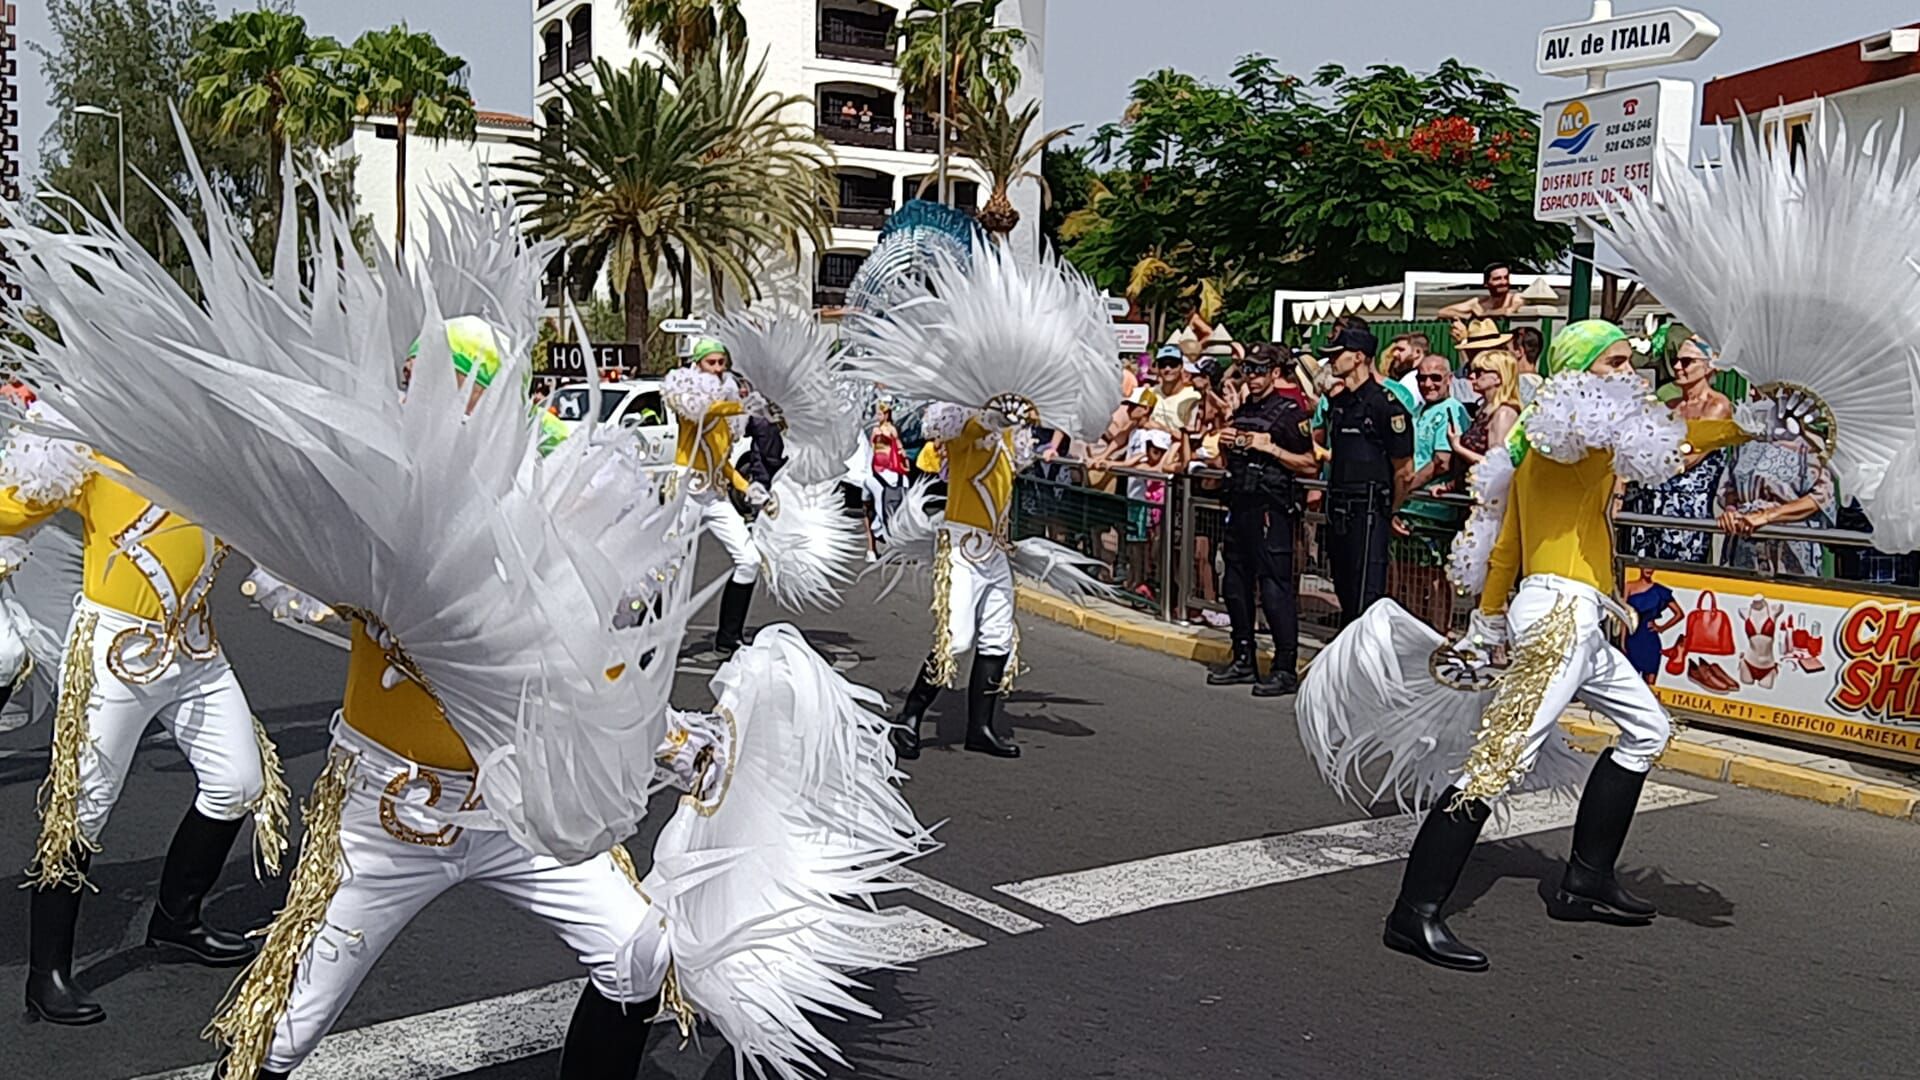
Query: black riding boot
[[220, 1073], [1243, 668], [605, 1039], [906, 733], [734, 601], [52, 993], [194, 860], [1588, 890], [1283, 678], [1440, 852], [983, 701]]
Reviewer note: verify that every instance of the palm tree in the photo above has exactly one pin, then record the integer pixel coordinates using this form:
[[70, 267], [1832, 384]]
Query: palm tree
[[261, 72], [694, 168], [688, 30], [996, 139], [979, 54], [409, 76]]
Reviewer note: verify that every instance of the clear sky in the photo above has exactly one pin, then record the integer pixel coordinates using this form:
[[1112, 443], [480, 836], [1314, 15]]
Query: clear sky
[[1097, 48]]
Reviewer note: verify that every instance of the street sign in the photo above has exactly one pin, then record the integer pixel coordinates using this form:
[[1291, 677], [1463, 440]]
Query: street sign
[[1132, 337], [566, 360], [1600, 146], [1118, 306], [683, 326], [1645, 39]]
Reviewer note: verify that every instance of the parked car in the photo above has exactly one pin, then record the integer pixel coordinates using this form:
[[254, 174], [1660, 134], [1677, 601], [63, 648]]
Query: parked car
[[633, 404]]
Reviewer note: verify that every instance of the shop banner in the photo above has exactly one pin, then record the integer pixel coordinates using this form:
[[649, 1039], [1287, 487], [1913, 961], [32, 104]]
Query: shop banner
[[1837, 665]]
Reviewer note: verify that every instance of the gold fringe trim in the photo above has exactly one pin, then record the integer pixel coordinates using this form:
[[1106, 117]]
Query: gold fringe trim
[[246, 1021], [941, 663], [674, 1003], [270, 809], [56, 857], [1494, 766], [1013, 665]]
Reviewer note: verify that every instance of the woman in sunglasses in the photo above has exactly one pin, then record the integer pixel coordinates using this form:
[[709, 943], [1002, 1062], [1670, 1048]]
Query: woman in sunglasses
[[1690, 494], [1492, 374]]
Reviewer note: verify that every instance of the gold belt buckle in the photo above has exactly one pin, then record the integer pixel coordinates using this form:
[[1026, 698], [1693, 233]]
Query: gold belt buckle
[[400, 830]]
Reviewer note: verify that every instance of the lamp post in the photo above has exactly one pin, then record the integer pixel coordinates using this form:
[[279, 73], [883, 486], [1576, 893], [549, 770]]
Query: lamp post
[[120, 136], [946, 91]]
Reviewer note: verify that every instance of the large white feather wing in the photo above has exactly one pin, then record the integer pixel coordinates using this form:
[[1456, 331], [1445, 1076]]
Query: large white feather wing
[[808, 543], [1377, 725], [268, 413], [788, 358], [1797, 267], [767, 884], [997, 325]]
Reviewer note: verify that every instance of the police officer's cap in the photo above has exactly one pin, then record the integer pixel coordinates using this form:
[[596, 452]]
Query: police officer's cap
[[1354, 339]]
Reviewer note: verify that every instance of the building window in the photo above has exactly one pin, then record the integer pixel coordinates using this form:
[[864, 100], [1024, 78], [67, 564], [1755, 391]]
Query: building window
[[387, 131], [866, 199], [855, 115], [856, 30], [837, 270], [580, 49], [552, 60]]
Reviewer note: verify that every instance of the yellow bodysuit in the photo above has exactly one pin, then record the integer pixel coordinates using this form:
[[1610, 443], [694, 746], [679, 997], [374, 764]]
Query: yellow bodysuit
[[116, 520], [405, 719], [980, 472], [1556, 518], [706, 448]]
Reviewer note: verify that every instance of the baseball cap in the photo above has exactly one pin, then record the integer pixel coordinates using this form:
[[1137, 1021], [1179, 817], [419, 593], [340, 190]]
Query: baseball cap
[[1354, 338], [1142, 396], [1161, 439], [1168, 352]]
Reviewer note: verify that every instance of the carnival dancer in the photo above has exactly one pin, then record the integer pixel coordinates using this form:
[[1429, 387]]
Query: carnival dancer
[[140, 645], [1541, 523], [711, 411], [503, 721], [997, 345]]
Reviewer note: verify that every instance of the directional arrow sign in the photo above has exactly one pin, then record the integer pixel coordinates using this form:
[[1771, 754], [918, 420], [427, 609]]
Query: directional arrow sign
[[1663, 36], [684, 326], [1118, 306]]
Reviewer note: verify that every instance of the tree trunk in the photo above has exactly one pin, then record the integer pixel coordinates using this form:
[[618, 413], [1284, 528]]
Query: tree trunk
[[638, 310], [999, 216], [400, 181], [686, 285], [719, 287]]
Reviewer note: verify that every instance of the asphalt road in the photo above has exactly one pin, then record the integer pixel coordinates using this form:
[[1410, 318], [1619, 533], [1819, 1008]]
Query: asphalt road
[[1787, 950]]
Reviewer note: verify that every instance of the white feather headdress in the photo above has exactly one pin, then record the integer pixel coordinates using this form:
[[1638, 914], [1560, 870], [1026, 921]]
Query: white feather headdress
[[1036, 329], [1798, 268]]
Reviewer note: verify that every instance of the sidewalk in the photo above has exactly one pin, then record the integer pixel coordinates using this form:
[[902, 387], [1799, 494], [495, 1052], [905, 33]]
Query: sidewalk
[[1711, 755]]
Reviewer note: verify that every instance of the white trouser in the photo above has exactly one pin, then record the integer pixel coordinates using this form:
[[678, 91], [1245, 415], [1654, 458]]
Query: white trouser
[[200, 703], [725, 524], [398, 861], [1593, 672], [980, 598], [14, 627]]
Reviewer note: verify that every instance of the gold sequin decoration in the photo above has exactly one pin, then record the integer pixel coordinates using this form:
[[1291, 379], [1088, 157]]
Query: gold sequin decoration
[[56, 856], [675, 1004], [623, 859], [244, 1025], [943, 667], [1494, 766], [1013, 665], [703, 771], [270, 809]]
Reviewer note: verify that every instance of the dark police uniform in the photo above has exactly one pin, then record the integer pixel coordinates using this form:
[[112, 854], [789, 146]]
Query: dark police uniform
[[1262, 506], [1367, 432]]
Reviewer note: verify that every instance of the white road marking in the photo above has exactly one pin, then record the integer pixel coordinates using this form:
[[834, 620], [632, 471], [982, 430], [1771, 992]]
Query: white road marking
[[461, 1039], [1011, 922], [1108, 892]]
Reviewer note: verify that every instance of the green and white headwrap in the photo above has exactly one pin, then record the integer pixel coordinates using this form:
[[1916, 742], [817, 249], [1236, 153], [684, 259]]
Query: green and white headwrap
[[704, 348], [1575, 348]]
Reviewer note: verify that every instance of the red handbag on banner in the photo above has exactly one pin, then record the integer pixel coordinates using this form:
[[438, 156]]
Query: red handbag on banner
[[1709, 630]]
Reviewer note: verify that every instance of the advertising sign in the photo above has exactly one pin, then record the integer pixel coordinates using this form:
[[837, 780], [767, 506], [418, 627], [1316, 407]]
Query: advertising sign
[[1600, 147], [1132, 337], [1644, 39], [1839, 666]]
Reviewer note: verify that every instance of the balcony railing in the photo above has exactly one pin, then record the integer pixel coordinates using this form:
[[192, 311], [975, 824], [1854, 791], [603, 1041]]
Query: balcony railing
[[829, 296], [842, 40], [863, 211], [923, 135], [579, 50], [876, 133], [550, 66]]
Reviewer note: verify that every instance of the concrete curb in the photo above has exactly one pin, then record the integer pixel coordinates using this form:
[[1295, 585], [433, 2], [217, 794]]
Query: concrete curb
[[1682, 756]]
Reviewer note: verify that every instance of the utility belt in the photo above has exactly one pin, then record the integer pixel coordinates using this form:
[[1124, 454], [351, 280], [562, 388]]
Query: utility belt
[[1357, 498], [1257, 476]]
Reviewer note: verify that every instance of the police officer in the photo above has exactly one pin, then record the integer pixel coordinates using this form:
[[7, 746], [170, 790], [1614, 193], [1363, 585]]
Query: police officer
[[1370, 438], [1266, 444]]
